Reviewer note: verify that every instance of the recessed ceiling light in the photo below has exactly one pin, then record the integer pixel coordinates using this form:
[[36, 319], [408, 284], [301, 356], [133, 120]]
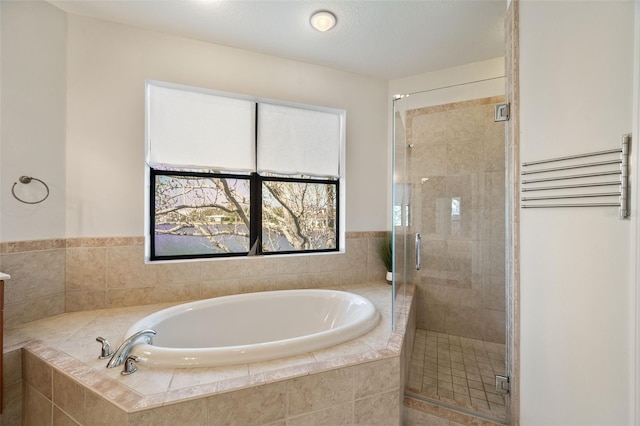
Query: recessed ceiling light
[[323, 20]]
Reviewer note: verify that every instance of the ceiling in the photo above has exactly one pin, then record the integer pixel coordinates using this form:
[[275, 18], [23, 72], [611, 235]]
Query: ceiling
[[386, 39]]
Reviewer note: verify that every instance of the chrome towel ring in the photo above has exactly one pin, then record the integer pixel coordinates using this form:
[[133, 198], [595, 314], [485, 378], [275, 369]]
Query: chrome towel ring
[[26, 180]]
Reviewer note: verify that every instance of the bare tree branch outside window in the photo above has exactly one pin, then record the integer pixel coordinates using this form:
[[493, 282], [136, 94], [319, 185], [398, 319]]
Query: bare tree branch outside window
[[298, 216], [197, 215]]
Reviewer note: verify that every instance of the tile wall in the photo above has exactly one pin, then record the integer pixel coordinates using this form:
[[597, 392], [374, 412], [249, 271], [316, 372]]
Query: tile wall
[[364, 394], [12, 388], [37, 285], [49, 277], [458, 156]]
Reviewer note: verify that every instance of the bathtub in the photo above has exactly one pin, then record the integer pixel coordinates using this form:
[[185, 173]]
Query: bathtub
[[253, 327]]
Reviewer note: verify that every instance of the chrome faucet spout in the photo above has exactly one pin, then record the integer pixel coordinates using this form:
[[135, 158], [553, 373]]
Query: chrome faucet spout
[[121, 354]]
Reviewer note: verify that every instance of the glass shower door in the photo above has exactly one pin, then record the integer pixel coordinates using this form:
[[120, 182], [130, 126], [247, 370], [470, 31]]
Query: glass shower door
[[449, 188], [400, 214]]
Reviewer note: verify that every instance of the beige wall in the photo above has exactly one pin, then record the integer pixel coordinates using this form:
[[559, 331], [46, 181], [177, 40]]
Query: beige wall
[[459, 279], [49, 277], [458, 152], [37, 285], [470, 81]]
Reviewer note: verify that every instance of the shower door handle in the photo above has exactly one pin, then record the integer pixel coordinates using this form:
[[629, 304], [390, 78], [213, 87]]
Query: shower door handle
[[418, 252]]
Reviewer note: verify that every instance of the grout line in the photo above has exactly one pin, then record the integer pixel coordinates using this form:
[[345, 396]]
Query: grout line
[[481, 360]]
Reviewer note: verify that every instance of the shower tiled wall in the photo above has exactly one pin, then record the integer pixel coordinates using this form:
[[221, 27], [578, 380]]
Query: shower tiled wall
[[457, 169], [50, 277]]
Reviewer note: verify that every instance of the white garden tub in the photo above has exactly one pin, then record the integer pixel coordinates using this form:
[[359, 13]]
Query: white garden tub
[[253, 327]]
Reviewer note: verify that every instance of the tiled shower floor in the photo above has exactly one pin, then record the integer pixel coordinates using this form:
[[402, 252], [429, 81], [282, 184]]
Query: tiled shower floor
[[458, 371]]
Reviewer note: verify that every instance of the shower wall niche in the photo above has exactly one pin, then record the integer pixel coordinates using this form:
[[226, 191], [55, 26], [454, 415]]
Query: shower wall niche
[[456, 172]]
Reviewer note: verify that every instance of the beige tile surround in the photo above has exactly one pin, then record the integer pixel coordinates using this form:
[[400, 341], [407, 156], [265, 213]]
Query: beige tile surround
[[458, 152], [354, 383], [49, 277], [37, 285]]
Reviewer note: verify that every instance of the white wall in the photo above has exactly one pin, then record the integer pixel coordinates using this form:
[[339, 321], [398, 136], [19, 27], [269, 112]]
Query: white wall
[[108, 64], [475, 71], [577, 285], [32, 137]]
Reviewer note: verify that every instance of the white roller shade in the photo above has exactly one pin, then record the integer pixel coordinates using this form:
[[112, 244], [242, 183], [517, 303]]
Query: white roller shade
[[298, 141], [193, 128]]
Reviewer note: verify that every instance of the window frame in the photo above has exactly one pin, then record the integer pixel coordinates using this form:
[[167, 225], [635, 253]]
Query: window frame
[[152, 217], [257, 180], [333, 182]]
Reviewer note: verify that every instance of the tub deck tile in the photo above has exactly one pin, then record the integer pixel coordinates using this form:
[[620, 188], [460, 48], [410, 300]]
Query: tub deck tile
[[282, 363], [286, 373], [191, 377], [67, 342], [184, 394]]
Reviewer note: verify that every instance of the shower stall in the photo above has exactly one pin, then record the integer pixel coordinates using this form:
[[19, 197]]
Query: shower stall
[[449, 241]]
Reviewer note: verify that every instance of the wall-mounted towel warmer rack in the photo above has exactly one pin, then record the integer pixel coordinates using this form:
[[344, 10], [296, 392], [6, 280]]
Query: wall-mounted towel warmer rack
[[557, 187]]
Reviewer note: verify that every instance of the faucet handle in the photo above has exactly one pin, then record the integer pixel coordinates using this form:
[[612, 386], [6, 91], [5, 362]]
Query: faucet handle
[[106, 348], [129, 365]]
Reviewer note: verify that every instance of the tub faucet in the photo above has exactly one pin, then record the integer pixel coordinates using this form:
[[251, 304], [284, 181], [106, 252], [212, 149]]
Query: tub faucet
[[130, 365], [106, 348], [121, 354]]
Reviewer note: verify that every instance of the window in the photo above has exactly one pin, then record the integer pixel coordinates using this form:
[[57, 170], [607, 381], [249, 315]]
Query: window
[[299, 215], [199, 214], [230, 175]]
